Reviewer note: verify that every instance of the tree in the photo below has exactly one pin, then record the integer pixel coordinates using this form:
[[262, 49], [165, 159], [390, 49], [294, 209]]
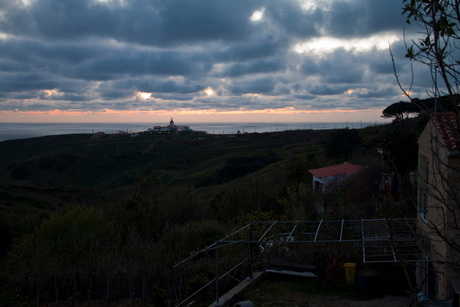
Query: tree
[[67, 246], [400, 151], [439, 21], [298, 164], [342, 143], [400, 110]]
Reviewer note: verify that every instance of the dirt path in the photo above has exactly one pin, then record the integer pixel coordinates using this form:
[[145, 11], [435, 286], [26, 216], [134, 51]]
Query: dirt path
[[278, 293], [147, 149], [330, 301]]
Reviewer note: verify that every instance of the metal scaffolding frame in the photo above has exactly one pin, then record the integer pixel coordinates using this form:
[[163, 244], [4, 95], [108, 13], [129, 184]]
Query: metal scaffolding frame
[[382, 240]]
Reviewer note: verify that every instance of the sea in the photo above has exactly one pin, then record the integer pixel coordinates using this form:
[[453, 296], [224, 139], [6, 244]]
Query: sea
[[11, 131]]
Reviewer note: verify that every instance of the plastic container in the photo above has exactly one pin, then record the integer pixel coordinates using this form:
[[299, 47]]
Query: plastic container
[[366, 279], [350, 272]]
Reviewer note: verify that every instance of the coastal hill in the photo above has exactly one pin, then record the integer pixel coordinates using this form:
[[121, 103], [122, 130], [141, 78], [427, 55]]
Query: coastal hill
[[86, 166], [44, 174], [130, 205], [78, 162]]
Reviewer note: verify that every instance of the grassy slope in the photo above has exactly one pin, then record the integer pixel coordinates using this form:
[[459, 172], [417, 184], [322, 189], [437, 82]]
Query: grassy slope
[[48, 171]]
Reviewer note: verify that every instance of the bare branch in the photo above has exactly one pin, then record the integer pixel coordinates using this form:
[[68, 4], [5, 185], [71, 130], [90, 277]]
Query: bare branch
[[406, 93]]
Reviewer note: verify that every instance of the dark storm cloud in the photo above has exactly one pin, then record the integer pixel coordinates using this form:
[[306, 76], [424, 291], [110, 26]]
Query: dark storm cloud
[[174, 97], [115, 94], [264, 86], [100, 54], [293, 20], [31, 51], [135, 62], [361, 18], [381, 67], [305, 97], [65, 97], [326, 90], [152, 22], [168, 86], [259, 66], [24, 82], [206, 20], [379, 93], [245, 52], [152, 85], [341, 70]]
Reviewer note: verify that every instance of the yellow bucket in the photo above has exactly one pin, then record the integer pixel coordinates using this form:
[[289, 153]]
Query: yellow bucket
[[350, 272]]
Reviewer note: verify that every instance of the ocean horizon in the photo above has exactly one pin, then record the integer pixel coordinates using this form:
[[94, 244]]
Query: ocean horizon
[[12, 131]]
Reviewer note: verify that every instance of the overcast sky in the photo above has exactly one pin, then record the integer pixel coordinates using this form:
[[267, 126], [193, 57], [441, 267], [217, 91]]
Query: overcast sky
[[134, 59]]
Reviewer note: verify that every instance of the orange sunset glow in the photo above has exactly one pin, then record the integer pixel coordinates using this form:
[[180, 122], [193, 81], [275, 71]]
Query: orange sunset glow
[[269, 115]]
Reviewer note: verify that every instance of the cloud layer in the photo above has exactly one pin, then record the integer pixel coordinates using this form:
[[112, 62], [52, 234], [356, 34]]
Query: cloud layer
[[147, 55]]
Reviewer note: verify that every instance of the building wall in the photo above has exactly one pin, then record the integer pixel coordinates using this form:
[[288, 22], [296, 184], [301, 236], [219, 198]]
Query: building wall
[[329, 183], [434, 225]]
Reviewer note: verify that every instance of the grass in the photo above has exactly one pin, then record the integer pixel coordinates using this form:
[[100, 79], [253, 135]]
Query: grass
[[59, 171], [115, 162], [65, 168]]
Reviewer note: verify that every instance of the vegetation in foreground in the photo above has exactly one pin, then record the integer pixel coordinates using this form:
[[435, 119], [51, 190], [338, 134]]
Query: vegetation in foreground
[[113, 215]]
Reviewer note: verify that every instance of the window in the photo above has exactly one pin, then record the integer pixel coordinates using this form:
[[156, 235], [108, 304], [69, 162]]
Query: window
[[318, 187], [422, 206], [423, 164]]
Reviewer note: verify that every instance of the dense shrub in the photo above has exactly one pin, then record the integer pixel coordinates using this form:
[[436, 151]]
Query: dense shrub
[[20, 172], [241, 166], [46, 162], [65, 160]]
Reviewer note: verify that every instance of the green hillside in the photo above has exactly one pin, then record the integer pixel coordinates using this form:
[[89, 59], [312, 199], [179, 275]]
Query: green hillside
[[114, 162], [155, 198]]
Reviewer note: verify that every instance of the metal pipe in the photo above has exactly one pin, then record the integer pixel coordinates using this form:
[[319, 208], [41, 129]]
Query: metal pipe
[[317, 230], [271, 226], [217, 274], [251, 268], [234, 268], [341, 231], [293, 229], [362, 237], [194, 293]]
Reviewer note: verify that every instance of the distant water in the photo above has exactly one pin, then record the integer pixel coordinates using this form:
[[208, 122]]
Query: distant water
[[10, 131]]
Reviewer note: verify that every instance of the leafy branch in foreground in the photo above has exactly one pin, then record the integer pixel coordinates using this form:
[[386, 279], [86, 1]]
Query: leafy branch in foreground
[[439, 21]]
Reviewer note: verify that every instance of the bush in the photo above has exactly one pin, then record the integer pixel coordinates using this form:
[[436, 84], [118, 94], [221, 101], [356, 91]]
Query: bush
[[20, 172], [46, 162], [65, 161], [241, 166]]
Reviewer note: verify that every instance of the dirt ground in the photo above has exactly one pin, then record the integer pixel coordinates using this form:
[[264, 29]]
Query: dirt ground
[[279, 293], [330, 301]]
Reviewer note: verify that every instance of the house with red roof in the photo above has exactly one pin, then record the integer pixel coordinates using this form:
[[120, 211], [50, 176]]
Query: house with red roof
[[324, 177]]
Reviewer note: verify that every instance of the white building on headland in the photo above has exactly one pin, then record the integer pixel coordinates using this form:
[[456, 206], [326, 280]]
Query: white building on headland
[[170, 128]]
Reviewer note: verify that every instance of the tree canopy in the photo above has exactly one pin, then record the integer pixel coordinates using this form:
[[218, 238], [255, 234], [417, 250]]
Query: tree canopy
[[342, 143], [400, 110], [439, 21]]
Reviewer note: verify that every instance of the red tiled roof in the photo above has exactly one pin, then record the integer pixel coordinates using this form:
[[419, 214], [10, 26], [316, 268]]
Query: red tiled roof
[[335, 170], [446, 124]]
